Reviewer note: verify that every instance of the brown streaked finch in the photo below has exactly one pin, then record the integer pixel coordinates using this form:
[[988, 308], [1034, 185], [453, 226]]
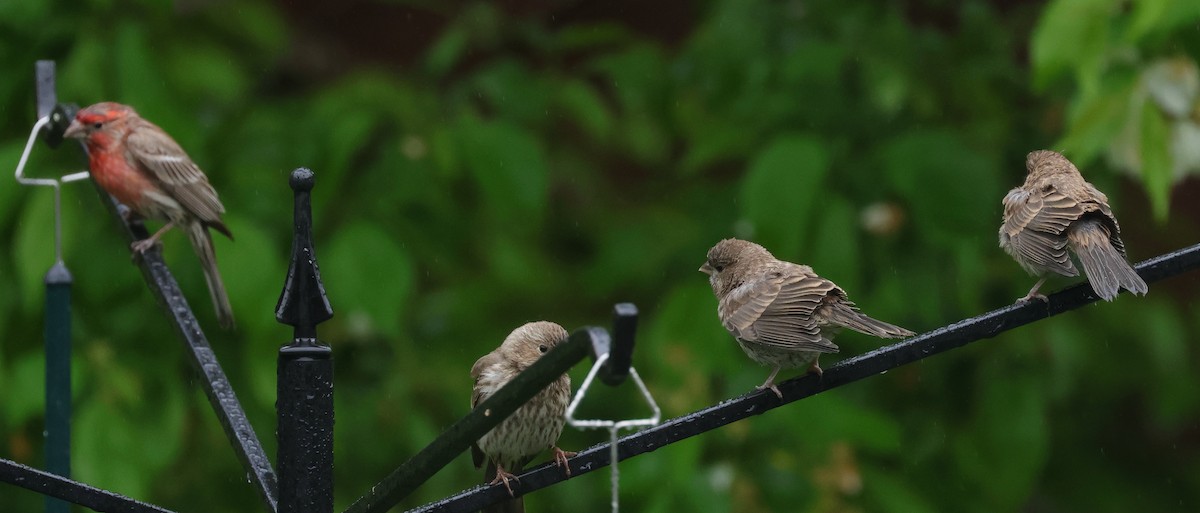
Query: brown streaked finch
[[140, 165], [782, 314], [536, 425], [1056, 211]]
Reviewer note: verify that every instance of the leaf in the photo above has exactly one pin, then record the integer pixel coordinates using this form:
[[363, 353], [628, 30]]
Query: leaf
[[1147, 16], [509, 167], [894, 493], [33, 247], [121, 444], [834, 252], [1155, 156], [1097, 118], [952, 190], [780, 191], [368, 278], [447, 50], [205, 71], [841, 419], [1007, 445], [24, 388], [580, 103], [1070, 36]]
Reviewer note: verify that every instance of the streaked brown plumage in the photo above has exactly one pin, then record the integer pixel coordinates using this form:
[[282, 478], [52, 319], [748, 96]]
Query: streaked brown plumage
[[535, 426], [146, 170], [782, 314], [1056, 211]]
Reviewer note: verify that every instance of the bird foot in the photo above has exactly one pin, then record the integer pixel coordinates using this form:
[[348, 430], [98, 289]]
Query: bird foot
[[771, 386], [560, 459], [503, 476], [1033, 295], [143, 245], [814, 367]]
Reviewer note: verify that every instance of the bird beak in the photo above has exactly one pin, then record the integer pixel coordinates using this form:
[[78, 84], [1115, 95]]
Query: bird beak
[[706, 269], [74, 130]]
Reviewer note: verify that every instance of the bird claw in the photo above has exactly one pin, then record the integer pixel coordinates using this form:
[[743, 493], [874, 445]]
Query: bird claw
[[814, 367], [502, 477], [142, 246], [773, 388], [560, 459], [1032, 296]]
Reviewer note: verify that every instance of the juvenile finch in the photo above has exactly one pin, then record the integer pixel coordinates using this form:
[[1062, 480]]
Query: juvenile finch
[[142, 167], [1054, 211], [535, 426], [782, 314]]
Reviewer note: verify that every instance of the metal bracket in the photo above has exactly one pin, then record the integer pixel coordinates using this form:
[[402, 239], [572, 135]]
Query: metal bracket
[[612, 367]]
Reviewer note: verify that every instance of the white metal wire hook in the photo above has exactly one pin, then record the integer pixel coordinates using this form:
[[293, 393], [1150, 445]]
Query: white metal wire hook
[[47, 182], [612, 426]]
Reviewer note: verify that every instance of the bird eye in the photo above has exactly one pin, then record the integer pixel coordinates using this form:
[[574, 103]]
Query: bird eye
[[719, 268], [543, 348], [97, 125]]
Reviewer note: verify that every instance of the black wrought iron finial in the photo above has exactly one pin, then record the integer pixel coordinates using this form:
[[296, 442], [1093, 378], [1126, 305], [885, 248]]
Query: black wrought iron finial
[[303, 304]]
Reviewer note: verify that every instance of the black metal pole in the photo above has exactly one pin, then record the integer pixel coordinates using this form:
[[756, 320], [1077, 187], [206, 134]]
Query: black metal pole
[[305, 389], [74, 492]]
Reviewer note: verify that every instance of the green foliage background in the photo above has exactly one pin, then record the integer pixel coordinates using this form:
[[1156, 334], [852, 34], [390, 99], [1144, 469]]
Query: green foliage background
[[481, 165]]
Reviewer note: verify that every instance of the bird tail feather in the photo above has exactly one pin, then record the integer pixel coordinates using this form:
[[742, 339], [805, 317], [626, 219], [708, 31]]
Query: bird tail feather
[[1105, 267], [201, 241], [848, 316]]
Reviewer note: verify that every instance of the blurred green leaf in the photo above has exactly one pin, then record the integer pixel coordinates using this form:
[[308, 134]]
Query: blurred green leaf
[[205, 71], [24, 388], [585, 108], [367, 303], [1070, 36], [1155, 156], [1097, 119], [1008, 443], [780, 191], [447, 50], [953, 191], [508, 166]]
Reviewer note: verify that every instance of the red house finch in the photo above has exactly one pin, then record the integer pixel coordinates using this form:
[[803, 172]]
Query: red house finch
[[536, 424], [1054, 211], [142, 167], [782, 314]]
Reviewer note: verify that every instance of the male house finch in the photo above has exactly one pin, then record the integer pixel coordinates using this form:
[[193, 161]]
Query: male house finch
[[782, 314], [140, 165], [536, 424], [1055, 210]]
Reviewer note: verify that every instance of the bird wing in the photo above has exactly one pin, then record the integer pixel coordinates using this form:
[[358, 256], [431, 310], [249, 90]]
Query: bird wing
[[1035, 222], [777, 310], [478, 395], [166, 163]]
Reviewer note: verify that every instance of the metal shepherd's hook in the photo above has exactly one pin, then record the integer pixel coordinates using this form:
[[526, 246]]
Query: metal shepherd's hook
[[52, 121], [613, 364]]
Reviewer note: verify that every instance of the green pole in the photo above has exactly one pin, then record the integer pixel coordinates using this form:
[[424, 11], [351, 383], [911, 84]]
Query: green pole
[[58, 378]]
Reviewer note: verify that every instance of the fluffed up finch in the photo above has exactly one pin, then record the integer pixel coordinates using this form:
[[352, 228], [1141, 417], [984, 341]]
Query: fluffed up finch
[[536, 425], [1056, 211], [142, 167], [782, 314]]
